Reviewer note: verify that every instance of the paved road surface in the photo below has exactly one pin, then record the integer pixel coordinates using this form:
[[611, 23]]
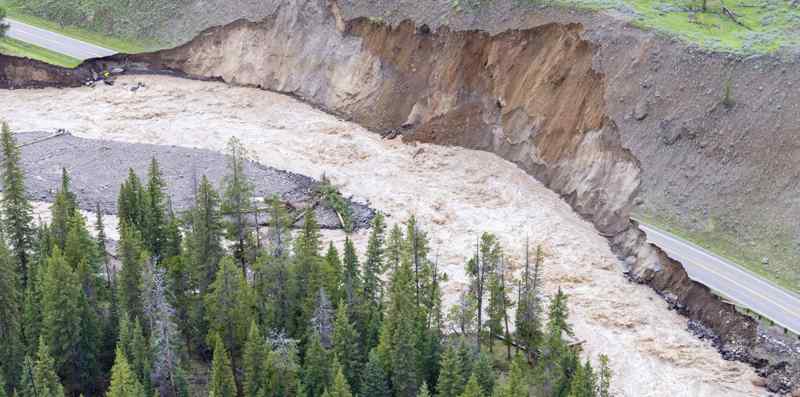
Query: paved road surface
[[54, 41], [740, 286]]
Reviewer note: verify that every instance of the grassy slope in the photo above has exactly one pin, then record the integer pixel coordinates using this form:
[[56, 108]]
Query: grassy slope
[[18, 48], [113, 43], [769, 24], [780, 269]]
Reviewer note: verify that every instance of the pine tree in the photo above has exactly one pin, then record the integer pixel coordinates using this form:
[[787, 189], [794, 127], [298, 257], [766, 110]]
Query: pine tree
[[373, 285], [205, 238], [558, 313], [398, 347], [424, 390], [31, 305], [472, 389], [394, 249], [451, 376], [16, 217], [351, 275], [25, 385], [155, 213], [3, 386], [108, 324], [565, 365], [430, 352], [374, 264], [517, 383], [11, 349], [222, 383], [202, 257], [582, 381], [278, 235], [255, 364], [283, 368], [340, 388], [271, 287], [131, 203], [305, 275], [45, 380], [181, 384], [163, 333], [484, 373], [529, 308], [236, 200], [604, 376], [173, 239], [271, 271], [134, 258], [347, 346], [136, 347], [479, 268], [62, 310], [316, 369], [373, 379], [332, 274], [80, 252], [228, 307], [416, 251], [124, 382], [432, 323], [468, 355], [32, 300], [63, 209], [498, 302], [85, 370], [102, 250], [399, 336]]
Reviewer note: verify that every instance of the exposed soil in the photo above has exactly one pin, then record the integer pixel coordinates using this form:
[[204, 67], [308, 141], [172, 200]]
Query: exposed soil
[[458, 192]]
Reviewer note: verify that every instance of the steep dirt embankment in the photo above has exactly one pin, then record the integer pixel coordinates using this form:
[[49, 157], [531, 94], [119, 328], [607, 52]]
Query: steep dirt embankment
[[531, 96], [26, 73]]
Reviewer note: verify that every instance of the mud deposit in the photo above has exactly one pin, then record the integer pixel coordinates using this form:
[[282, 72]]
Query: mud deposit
[[97, 168], [457, 192]]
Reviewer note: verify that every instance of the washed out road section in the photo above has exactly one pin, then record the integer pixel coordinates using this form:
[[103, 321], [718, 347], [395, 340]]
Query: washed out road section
[[55, 41], [740, 286]]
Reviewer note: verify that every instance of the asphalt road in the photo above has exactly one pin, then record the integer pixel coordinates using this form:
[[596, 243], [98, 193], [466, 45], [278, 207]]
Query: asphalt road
[[730, 280], [54, 41]]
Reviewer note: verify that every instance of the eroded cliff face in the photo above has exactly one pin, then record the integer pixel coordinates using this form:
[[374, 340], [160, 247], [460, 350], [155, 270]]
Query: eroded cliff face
[[26, 73], [530, 96]]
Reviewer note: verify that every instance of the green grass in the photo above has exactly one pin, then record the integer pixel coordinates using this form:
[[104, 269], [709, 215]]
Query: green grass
[[128, 46], [18, 48], [769, 24], [781, 269]]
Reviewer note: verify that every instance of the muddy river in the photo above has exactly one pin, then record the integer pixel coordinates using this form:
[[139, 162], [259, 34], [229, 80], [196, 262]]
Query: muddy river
[[457, 193]]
